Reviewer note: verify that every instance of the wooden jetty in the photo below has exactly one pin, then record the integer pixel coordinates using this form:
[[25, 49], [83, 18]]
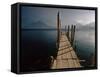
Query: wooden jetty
[[66, 56]]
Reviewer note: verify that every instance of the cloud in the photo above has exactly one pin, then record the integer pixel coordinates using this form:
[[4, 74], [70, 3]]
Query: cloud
[[83, 22], [80, 21]]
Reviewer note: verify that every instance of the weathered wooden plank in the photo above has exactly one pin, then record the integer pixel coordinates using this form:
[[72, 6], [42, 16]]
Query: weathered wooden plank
[[66, 57]]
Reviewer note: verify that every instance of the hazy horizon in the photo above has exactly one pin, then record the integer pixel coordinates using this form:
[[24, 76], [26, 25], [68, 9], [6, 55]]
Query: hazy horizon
[[41, 17]]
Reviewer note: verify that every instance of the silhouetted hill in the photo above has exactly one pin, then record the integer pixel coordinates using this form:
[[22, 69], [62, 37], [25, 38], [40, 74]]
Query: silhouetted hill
[[39, 25]]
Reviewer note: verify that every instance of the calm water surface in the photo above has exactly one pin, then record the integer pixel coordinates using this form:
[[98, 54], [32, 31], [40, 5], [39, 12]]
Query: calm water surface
[[84, 41]]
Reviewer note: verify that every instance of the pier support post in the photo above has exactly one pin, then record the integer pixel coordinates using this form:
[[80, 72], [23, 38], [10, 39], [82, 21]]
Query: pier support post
[[68, 32], [72, 34]]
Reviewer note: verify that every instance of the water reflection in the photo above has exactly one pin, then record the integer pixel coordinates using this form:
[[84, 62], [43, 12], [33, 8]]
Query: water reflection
[[41, 44]]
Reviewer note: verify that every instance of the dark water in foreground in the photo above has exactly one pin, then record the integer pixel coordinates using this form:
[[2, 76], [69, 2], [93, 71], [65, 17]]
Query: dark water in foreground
[[36, 48], [41, 44]]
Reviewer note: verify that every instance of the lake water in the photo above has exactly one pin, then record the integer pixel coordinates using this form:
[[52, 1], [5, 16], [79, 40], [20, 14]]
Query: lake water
[[43, 42], [85, 45]]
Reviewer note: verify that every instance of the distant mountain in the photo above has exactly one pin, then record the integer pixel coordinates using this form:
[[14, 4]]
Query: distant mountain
[[38, 25], [85, 27]]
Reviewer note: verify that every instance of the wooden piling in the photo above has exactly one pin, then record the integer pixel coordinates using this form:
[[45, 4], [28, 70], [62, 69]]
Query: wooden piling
[[68, 32], [65, 30], [71, 34], [58, 30]]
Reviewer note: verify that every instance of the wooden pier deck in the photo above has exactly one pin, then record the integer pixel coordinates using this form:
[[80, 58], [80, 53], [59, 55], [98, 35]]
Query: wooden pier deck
[[66, 57]]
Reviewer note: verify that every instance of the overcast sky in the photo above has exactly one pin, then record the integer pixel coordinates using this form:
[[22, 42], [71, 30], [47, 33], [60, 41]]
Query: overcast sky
[[49, 16]]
